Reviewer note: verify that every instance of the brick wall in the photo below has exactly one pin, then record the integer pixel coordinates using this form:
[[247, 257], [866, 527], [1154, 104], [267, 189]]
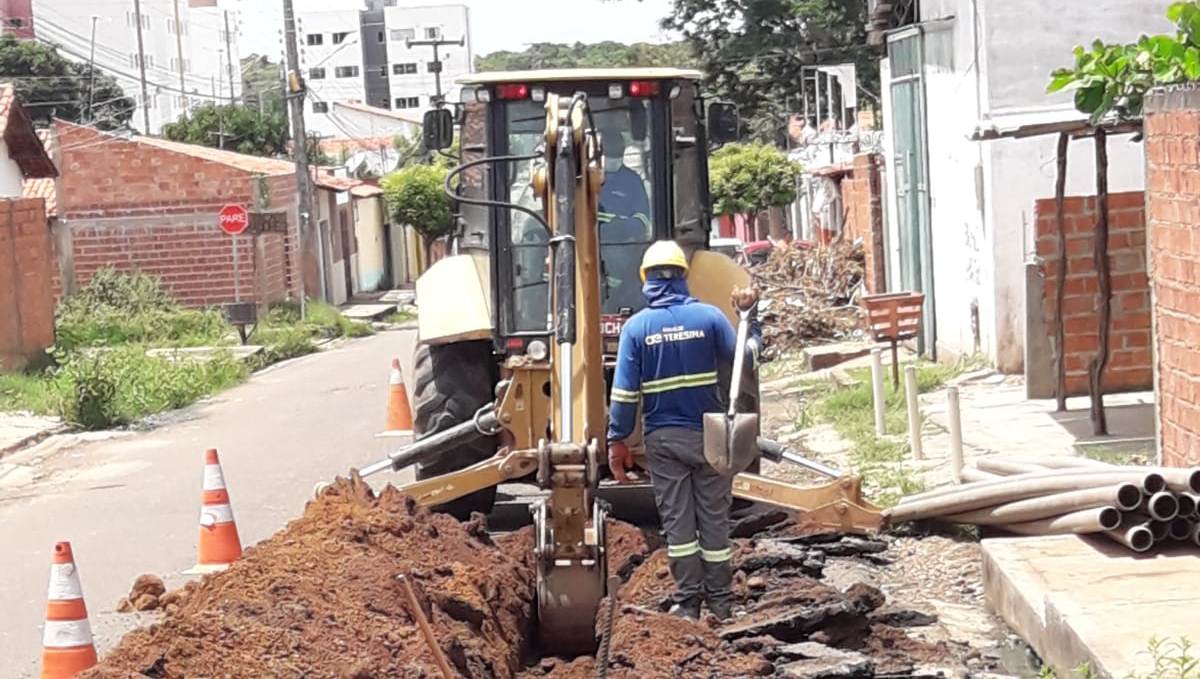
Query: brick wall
[[1172, 133], [27, 272], [1130, 364], [862, 200], [134, 206]]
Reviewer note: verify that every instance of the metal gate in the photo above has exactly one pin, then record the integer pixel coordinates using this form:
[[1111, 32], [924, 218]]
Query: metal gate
[[906, 56]]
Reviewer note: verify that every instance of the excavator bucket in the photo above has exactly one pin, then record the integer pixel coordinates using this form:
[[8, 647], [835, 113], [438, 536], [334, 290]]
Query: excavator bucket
[[730, 443]]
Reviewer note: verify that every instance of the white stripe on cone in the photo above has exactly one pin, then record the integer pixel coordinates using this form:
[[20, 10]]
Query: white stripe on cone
[[396, 378], [210, 515], [64, 582], [67, 633], [213, 478]]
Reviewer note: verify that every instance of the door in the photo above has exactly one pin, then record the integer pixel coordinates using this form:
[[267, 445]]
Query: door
[[906, 54]]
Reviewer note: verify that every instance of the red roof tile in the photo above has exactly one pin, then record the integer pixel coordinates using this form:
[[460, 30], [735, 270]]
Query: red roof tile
[[366, 191], [43, 187], [22, 140], [268, 166]]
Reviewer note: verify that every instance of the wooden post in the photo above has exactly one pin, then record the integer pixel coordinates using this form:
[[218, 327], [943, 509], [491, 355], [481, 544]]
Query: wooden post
[[1096, 368], [1060, 364]]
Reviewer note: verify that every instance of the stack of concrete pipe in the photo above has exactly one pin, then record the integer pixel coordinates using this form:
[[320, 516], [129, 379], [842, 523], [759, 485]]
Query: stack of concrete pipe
[[1138, 507]]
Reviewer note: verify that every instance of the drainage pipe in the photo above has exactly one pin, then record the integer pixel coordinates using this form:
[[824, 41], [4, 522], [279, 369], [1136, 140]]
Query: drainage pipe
[[1157, 528], [1007, 467], [1124, 497], [1196, 535], [954, 419], [1136, 537], [1186, 501], [973, 475], [1152, 480], [1179, 528], [912, 395], [1160, 506], [978, 496], [1068, 462], [1095, 520]]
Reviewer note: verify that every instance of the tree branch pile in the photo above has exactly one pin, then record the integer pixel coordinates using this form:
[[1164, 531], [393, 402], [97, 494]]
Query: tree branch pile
[[810, 296]]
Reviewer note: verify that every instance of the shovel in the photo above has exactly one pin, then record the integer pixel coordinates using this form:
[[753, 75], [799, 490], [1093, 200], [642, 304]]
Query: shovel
[[731, 438]]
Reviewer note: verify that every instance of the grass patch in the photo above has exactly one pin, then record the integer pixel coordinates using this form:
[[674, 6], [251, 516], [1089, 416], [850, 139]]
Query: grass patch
[[881, 462], [398, 317], [1132, 453], [99, 376]]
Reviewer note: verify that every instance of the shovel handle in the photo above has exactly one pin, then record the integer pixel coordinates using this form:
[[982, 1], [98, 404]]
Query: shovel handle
[[739, 360]]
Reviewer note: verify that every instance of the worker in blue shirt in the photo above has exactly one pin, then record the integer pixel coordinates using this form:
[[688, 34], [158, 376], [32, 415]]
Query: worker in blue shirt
[[667, 359]]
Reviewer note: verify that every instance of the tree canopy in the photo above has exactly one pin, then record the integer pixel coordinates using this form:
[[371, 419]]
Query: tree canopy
[[244, 130], [50, 86], [755, 52], [749, 178], [607, 54], [262, 81], [415, 197]]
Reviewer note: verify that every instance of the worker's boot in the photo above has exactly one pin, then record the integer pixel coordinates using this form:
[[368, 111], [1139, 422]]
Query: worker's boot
[[721, 608], [688, 608]]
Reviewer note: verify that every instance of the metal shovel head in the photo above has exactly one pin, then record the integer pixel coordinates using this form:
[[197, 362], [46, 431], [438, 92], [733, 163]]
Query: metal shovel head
[[730, 444]]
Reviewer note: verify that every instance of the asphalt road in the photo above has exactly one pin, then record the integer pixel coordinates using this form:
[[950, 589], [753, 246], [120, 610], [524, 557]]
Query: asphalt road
[[129, 503]]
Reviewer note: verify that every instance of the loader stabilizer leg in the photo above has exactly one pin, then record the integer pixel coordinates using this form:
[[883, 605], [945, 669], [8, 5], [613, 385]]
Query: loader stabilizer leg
[[838, 504]]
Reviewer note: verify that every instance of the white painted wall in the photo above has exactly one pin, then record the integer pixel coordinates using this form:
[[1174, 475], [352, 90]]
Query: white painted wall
[[69, 23], [368, 230], [451, 22], [991, 61], [330, 56], [11, 179]]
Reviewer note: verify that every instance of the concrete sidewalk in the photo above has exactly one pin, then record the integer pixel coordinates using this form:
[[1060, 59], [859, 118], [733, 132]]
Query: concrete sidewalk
[[21, 430]]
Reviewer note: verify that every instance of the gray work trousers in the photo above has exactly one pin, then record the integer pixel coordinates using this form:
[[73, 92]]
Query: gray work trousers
[[693, 502]]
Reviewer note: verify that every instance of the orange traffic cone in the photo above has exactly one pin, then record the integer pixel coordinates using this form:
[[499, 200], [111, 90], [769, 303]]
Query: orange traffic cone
[[219, 544], [67, 647], [399, 412]]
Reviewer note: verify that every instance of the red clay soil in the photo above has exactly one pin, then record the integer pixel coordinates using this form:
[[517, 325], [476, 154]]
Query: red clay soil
[[652, 645], [321, 599]]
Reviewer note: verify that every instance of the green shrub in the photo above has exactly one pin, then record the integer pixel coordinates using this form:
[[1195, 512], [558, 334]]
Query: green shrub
[[103, 389]]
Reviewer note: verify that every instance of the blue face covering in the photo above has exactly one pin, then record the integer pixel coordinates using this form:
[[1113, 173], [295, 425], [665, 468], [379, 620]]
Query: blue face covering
[[663, 292]]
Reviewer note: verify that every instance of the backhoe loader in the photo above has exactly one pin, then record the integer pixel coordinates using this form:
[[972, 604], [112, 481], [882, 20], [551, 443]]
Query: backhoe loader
[[567, 177]]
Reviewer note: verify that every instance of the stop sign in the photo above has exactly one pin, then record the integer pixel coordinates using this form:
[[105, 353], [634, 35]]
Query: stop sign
[[233, 219]]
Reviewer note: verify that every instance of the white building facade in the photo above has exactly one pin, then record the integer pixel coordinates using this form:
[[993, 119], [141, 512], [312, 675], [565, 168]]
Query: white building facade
[[187, 52], [960, 212], [361, 55]]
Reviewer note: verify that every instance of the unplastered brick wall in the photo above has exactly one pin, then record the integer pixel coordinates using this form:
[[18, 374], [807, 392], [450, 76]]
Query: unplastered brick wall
[[137, 207], [1130, 361], [1172, 133], [862, 198], [27, 273]]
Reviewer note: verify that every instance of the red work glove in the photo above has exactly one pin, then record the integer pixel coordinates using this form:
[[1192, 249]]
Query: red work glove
[[620, 460]]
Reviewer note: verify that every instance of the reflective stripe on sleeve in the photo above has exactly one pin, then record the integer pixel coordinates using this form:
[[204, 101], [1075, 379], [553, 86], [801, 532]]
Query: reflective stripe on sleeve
[[684, 550], [679, 382], [624, 395]]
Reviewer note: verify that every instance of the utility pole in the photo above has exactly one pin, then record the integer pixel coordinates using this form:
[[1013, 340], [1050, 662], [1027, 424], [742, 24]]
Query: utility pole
[[436, 65], [229, 57], [294, 91], [137, 11], [179, 53], [92, 71]]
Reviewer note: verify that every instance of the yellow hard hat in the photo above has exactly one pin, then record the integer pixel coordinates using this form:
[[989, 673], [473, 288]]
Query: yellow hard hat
[[663, 253]]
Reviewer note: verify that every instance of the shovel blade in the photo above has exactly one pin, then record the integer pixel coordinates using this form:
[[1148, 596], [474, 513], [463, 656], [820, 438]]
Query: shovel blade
[[730, 444]]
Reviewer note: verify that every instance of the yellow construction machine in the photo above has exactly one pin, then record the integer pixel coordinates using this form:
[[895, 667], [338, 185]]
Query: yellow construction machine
[[566, 178]]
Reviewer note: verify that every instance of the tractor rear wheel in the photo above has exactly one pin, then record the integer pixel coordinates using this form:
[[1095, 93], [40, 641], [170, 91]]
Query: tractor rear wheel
[[452, 382]]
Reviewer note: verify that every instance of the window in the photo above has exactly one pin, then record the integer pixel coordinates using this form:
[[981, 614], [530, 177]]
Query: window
[[16, 22], [404, 69], [177, 28], [380, 38], [434, 67], [134, 62], [339, 38], [316, 73], [402, 34], [177, 66], [346, 72], [132, 19], [408, 102], [433, 33], [320, 107], [383, 71], [315, 39], [147, 101]]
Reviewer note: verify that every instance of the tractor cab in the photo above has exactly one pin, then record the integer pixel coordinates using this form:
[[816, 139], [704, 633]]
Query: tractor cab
[[655, 142]]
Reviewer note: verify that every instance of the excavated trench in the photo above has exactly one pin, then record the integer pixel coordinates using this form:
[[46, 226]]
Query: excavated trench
[[321, 598]]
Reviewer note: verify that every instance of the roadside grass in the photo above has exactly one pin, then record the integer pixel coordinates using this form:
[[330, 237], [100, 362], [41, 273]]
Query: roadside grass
[[1165, 659], [98, 375], [1134, 453], [882, 462], [398, 317]]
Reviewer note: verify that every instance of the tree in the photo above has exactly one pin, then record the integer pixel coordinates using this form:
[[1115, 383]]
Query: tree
[[749, 178], [50, 87], [757, 52], [415, 197], [606, 54], [262, 83], [233, 128]]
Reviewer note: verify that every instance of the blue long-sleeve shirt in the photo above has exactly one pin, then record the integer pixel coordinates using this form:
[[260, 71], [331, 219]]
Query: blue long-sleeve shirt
[[668, 358]]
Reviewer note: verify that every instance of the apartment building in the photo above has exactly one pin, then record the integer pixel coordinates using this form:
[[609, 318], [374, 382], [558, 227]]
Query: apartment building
[[189, 49], [363, 56]]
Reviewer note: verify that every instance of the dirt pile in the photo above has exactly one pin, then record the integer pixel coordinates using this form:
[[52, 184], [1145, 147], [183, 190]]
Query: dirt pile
[[321, 599], [810, 295]]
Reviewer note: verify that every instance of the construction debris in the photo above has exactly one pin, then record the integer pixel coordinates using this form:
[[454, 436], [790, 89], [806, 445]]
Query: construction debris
[[144, 596], [327, 597], [810, 295]]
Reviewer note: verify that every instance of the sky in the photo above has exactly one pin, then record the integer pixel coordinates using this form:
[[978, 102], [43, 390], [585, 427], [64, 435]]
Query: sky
[[495, 24]]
